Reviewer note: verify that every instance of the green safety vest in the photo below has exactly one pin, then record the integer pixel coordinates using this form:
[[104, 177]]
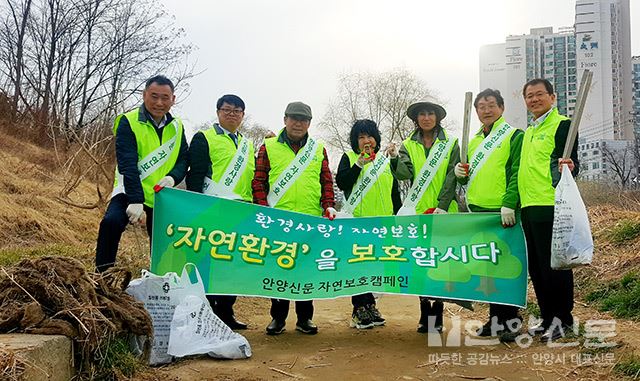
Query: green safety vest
[[377, 202], [221, 151], [534, 177], [418, 156], [490, 183], [147, 141], [304, 194]]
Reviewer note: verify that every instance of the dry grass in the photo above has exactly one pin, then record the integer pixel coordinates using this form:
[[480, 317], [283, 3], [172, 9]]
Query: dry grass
[[30, 214], [598, 194], [12, 367], [33, 223]]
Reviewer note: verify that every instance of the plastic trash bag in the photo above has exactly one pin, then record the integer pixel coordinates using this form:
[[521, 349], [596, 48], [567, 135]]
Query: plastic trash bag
[[161, 295], [571, 241], [195, 329]]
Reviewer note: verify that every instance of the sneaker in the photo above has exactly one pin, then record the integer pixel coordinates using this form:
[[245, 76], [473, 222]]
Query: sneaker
[[555, 332], [376, 316], [307, 327], [538, 329], [275, 327], [361, 319]]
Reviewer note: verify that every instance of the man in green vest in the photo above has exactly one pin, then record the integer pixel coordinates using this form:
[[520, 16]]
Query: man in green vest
[[492, 186], [221, 163], [292, 173], [540, 165], [150, 150]]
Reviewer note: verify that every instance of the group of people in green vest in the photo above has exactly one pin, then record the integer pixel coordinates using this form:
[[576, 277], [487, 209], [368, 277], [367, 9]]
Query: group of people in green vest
[[510, 171]]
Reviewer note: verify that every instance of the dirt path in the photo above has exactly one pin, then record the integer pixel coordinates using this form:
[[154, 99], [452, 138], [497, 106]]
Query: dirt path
[[393, 352]]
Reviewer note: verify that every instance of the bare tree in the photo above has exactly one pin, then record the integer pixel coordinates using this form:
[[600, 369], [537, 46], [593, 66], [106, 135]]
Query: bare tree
[[255, 131], [77, 63], [71, 66], [14, 45], [620, 161], [382, 97]]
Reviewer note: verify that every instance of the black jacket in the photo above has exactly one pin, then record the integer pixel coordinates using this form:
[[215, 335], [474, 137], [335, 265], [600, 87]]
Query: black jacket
[[127, 156]]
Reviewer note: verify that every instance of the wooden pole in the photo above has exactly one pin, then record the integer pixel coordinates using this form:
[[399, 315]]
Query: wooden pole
[[581, 100], [465, 126]]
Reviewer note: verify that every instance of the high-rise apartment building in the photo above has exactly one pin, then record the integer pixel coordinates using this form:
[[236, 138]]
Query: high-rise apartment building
[[539, 54], [603, 45], [635, 62], [601, 42]]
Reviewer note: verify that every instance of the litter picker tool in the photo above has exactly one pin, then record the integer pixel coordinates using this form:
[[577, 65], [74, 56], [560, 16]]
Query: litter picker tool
[[465, 126], [581, 100]]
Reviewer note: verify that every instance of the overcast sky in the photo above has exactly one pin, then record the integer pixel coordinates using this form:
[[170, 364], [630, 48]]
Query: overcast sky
[[272, 52]]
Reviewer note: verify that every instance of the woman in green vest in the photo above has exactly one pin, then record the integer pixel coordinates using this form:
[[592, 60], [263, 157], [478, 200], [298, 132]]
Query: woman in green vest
[[378, 195], [427, 158]]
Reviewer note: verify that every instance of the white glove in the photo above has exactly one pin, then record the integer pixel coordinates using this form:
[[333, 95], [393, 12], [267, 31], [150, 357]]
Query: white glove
[[439, 211], [135, 212], [330, 213], [508, 216], [392, 151], [461, 170], [167, 182]]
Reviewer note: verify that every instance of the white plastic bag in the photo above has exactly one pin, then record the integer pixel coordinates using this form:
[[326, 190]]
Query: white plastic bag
[[571, 242], [195, 329], [161, 295]]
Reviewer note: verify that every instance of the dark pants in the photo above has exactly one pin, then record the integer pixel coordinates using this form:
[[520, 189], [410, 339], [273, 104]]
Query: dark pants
[[362, 300], [554, 288], [222, 305], [430, 307], [112, 226], [502, 313], [280, 309]]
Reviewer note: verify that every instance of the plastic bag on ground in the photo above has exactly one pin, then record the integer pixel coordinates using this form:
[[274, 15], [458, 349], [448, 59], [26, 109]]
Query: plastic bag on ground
[[571, 242], [161, 295], [195, 329]]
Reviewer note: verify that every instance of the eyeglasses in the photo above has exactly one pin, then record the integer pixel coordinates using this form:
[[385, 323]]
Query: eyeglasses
[[229, 111], [536, 95]]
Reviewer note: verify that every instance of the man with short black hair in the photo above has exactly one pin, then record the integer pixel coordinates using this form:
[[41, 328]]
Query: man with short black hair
[[214, 154], [150, 150], [540, 165], [492, 186], [308, 190]]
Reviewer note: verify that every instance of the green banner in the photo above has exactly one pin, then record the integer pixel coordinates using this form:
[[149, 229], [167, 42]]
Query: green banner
[[246, 249]]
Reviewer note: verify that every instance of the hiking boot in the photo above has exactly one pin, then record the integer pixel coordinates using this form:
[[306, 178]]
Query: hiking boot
[[376, 316], [361, 318], [307, 326], [275, 327]]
